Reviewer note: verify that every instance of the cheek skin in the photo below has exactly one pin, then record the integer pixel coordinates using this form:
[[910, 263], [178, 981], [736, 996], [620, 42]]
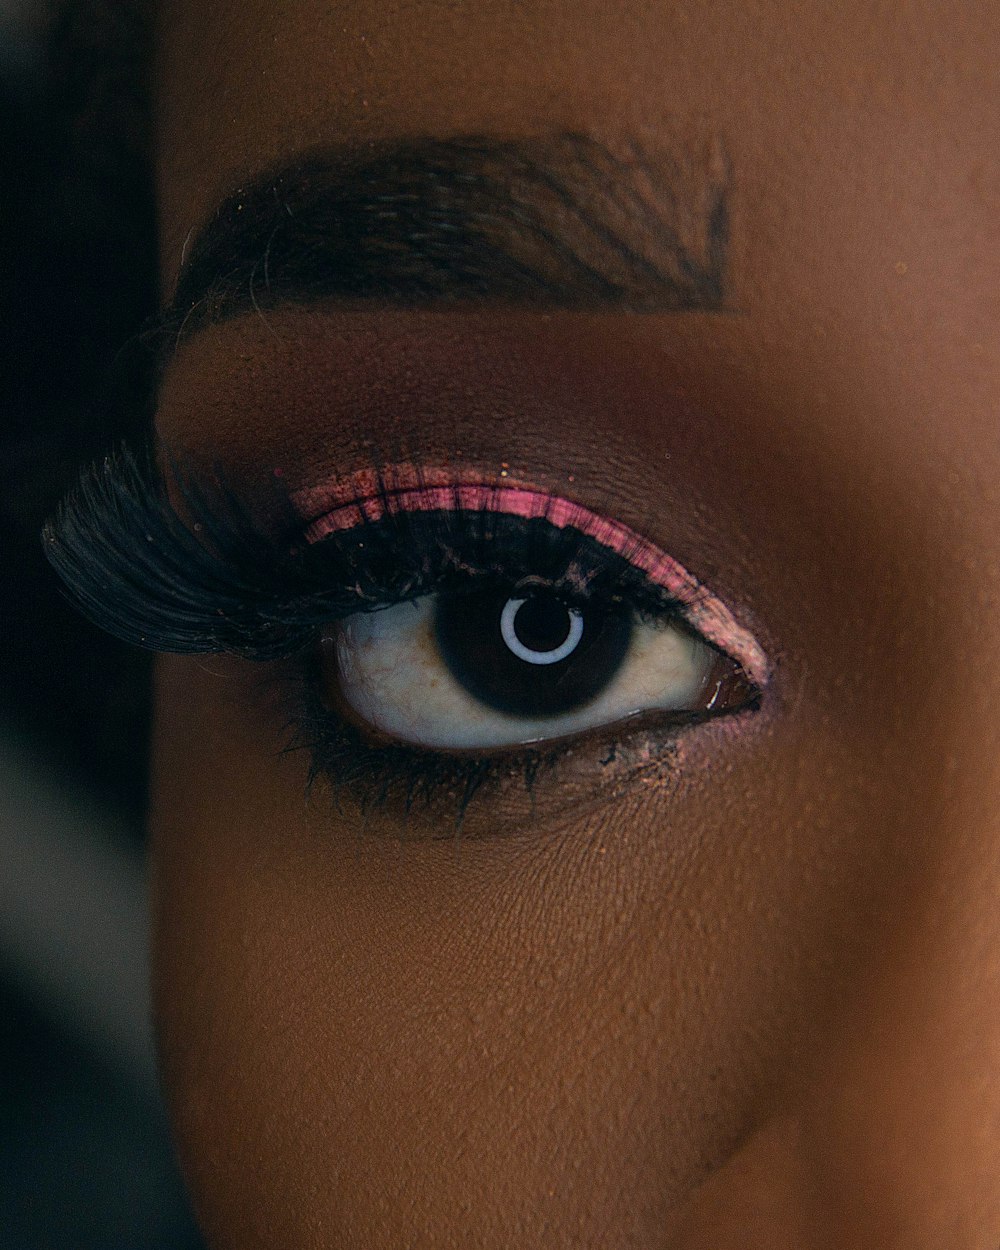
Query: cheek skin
[[366, 1014], [572, 1026]]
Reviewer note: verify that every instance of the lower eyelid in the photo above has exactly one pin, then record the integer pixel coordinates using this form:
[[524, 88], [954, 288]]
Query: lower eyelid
[[519, 795], [404, 792]]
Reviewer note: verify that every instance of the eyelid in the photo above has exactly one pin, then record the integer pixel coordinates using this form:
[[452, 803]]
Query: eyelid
[[366, 497], [213, 580]]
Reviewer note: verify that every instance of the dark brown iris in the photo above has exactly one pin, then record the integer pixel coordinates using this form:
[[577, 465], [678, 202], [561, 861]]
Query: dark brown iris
[[502, 648]]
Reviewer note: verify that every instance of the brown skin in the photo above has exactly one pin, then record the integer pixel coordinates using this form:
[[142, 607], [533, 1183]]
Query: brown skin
[[749, 1000]]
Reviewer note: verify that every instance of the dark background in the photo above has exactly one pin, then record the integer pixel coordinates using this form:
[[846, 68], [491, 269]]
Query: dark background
[[85, 1159]]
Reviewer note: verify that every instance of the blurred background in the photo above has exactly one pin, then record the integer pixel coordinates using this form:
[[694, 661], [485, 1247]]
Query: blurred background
[[85, 1158]]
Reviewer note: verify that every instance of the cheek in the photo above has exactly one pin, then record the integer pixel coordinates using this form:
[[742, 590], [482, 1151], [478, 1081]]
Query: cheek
[[365, 1040]]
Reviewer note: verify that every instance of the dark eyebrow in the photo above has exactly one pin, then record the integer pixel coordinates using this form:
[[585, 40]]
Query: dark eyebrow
[[559, 222]]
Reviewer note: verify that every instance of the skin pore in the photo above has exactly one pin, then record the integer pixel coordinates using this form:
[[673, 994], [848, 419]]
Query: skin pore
[[743, 992]]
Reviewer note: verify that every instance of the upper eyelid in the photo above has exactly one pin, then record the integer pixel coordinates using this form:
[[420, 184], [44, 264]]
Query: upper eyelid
[[120, 533], [340, 504]]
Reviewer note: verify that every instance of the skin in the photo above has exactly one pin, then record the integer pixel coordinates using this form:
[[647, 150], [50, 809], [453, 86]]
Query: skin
[[745, 995]]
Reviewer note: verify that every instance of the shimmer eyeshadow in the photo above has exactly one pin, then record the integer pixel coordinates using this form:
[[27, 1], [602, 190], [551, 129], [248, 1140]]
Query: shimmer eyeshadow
[[341, 504]]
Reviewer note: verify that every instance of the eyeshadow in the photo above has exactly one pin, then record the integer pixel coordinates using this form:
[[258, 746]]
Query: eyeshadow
[[341, 504]]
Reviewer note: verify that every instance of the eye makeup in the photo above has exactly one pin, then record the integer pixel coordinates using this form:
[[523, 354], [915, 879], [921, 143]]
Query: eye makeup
[[367, 497], [217, 581]]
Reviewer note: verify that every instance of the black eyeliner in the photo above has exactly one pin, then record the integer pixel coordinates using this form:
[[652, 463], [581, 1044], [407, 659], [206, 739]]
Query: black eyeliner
[[217, 581]]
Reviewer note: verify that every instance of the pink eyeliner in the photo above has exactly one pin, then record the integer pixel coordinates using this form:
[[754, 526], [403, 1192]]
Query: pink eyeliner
[[368, 496]]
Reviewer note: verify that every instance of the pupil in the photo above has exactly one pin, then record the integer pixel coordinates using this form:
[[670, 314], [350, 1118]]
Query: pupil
[[535, 658], [542, 623]]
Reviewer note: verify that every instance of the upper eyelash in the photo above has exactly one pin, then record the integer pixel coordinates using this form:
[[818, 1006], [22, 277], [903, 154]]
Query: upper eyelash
[[215, 582], [139, 572]]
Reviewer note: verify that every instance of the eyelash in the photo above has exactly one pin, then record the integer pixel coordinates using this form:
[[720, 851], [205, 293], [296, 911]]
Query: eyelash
[[217, 582]]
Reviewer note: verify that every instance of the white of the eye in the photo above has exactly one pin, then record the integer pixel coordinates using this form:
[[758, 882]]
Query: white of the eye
[[509, 634], [389, 670]]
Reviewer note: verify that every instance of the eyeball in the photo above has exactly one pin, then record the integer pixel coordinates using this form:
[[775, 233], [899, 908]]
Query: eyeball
[[495, 668]]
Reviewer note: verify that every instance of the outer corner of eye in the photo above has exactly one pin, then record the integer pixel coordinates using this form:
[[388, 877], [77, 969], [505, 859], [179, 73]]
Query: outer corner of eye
[[499, 669], [729, 688], [740, 670]]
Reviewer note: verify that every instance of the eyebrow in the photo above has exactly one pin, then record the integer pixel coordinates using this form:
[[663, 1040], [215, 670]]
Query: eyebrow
[[563, 222]]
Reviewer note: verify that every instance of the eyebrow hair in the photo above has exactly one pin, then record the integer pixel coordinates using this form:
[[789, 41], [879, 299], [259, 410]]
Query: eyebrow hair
[[559, 223]]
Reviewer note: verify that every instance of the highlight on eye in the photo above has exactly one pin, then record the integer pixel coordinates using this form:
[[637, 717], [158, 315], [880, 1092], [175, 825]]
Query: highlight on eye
[[438, 632]]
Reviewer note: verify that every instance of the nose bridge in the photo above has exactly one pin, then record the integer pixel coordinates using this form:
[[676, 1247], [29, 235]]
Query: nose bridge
[[888, 1132]]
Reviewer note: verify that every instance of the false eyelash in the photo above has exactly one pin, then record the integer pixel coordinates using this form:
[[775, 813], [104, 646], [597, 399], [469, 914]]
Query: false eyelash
[[216, 581]]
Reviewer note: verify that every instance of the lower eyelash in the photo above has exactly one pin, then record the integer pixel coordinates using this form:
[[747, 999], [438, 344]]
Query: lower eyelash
[[383, 774], [413, 781]]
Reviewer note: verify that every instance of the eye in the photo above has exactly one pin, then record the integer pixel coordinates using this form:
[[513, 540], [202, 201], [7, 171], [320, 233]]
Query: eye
[[462, 622], [495, 668]]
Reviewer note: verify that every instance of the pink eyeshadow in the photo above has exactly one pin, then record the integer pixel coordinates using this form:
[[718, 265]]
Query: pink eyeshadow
[[369, 496]]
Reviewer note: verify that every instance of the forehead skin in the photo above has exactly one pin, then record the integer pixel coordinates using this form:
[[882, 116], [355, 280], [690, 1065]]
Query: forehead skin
[[756, 1007]]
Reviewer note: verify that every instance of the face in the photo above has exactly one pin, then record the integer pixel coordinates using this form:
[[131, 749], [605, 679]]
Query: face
[[706, 976]]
